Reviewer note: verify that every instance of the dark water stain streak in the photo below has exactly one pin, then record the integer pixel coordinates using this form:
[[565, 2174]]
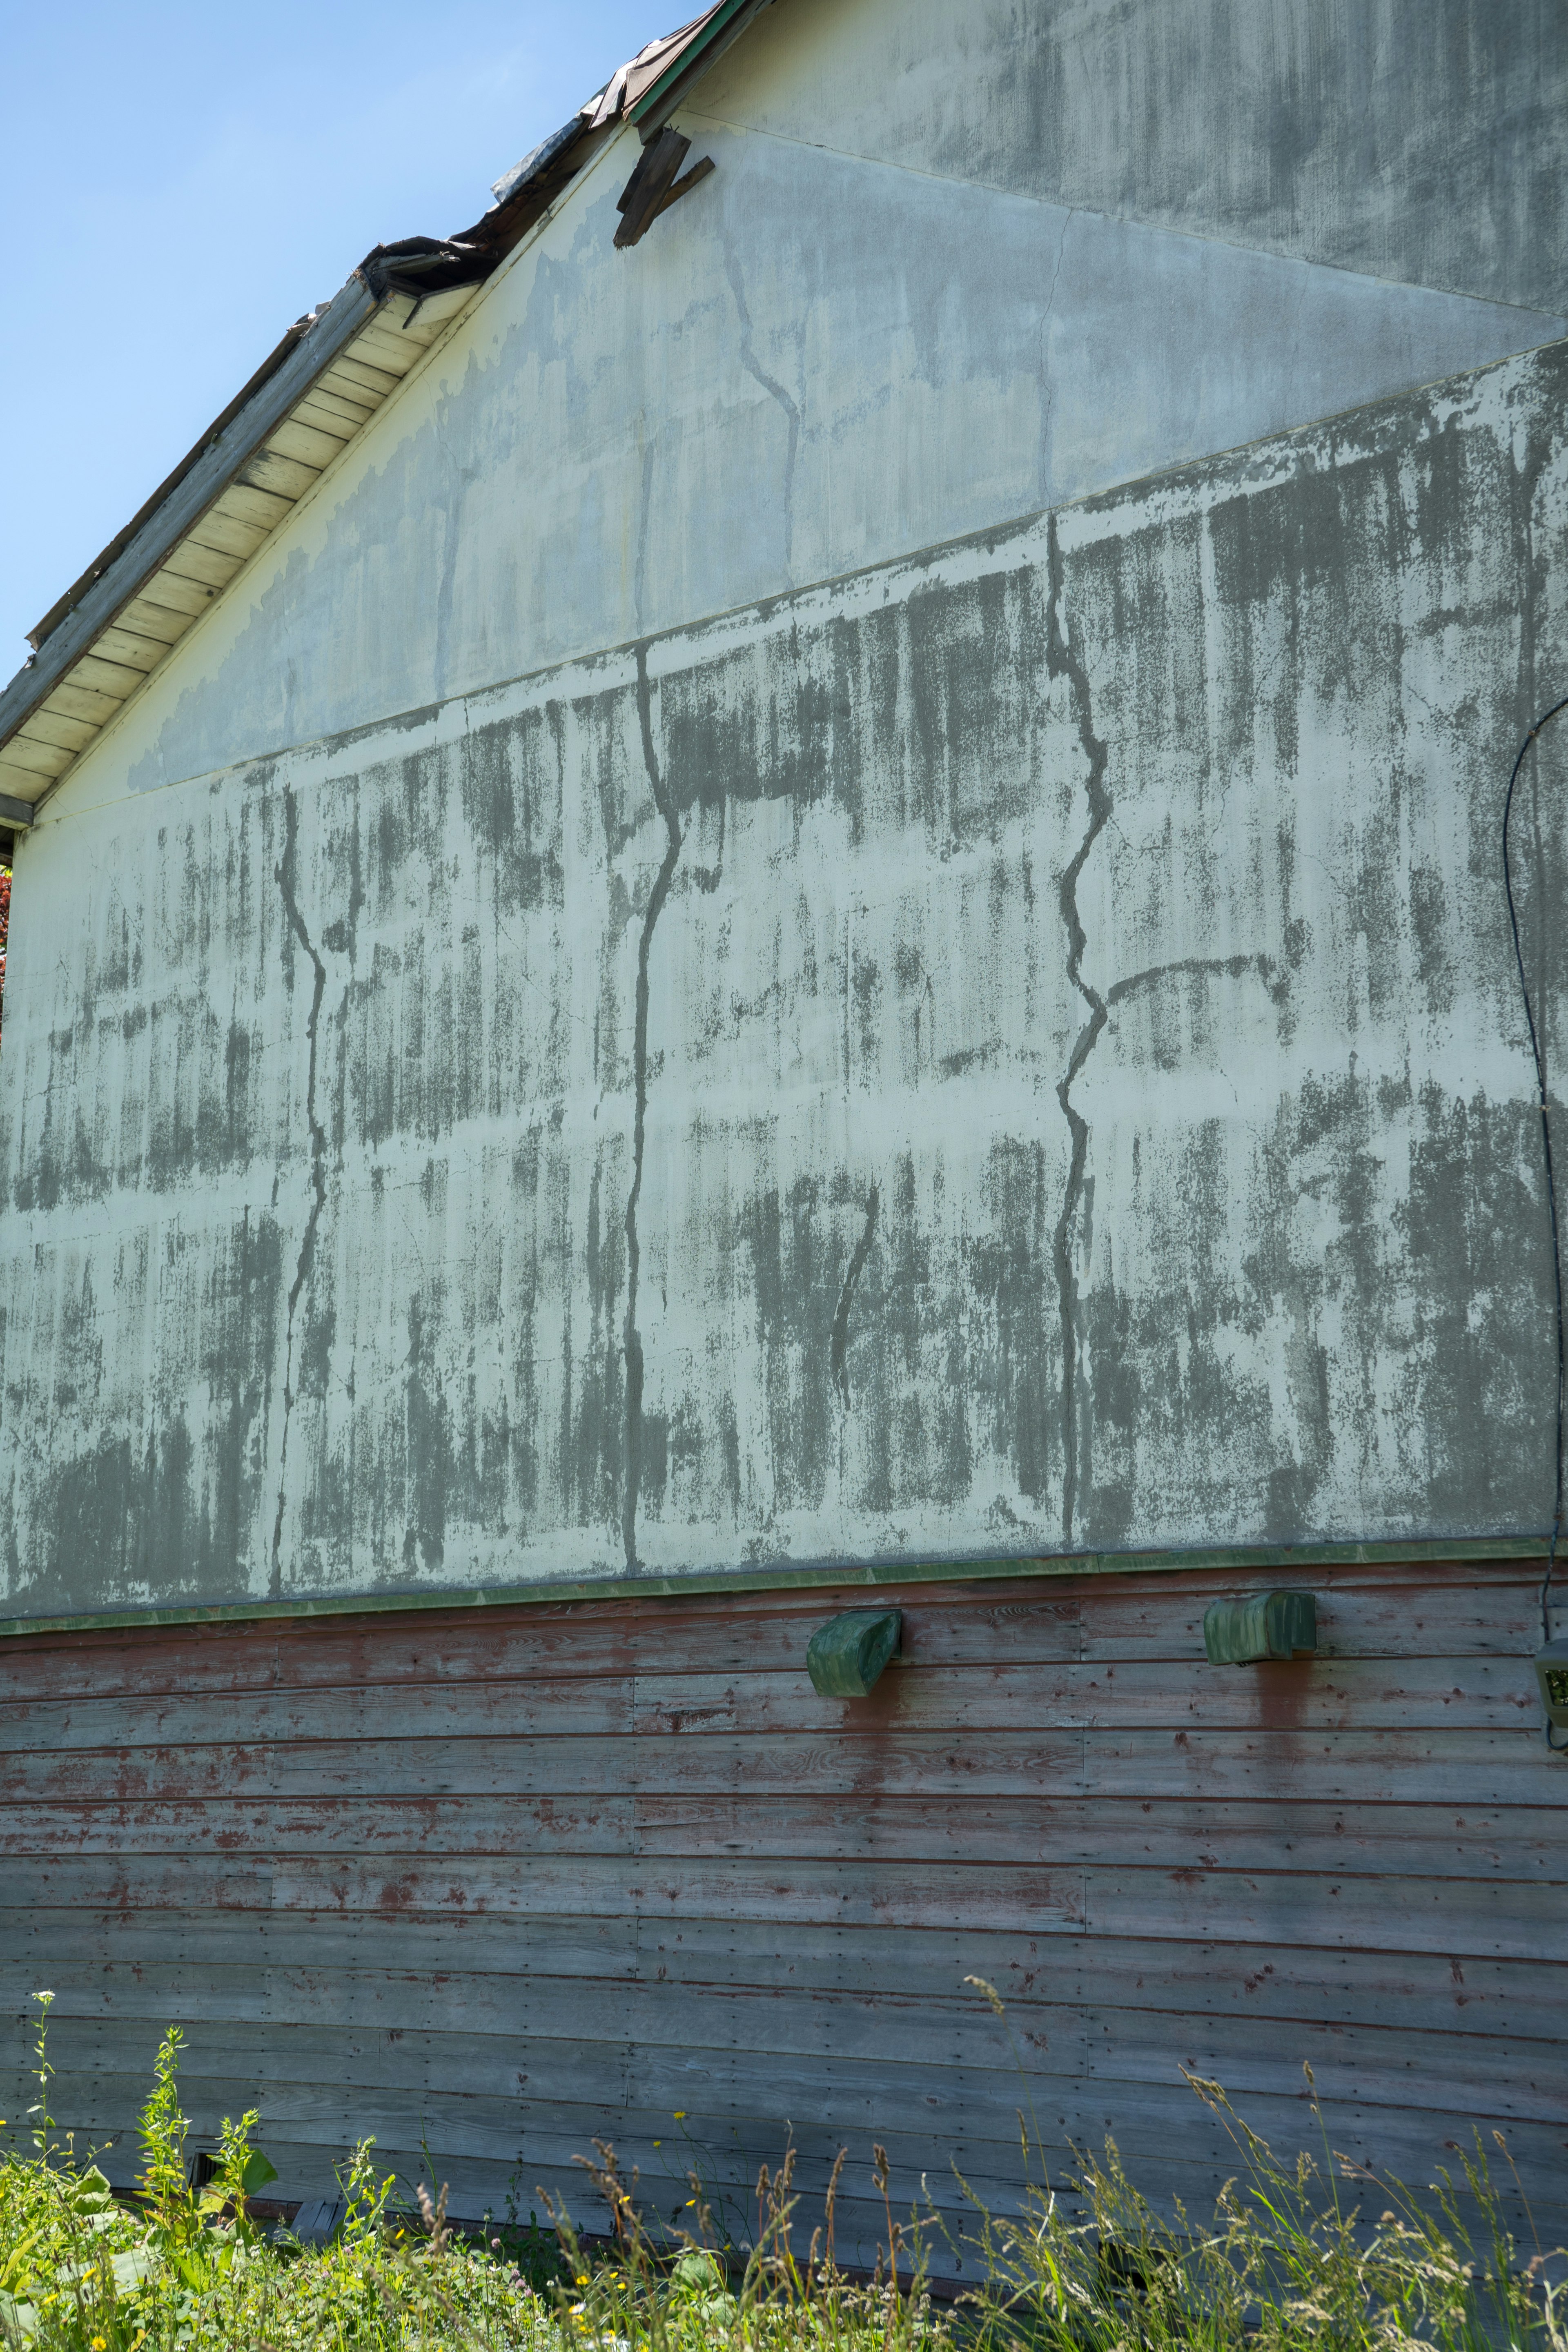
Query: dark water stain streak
[[284, 874], [664, 801], [840, 1337], [1062, 661]]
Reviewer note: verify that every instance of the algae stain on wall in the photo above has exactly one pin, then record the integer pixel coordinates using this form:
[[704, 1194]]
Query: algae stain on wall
[[1010, 1050]]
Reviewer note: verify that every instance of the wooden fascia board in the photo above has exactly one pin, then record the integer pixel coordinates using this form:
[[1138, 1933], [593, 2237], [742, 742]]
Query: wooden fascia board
[[660, 101], [65, 604], [1276, 1561], [206, 481]]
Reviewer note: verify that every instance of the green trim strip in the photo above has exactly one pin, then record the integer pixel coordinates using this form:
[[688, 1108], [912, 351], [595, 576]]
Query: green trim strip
[[683, 64], [1274, 1559]]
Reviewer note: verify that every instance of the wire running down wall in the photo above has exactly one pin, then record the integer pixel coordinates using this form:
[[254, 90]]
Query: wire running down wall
[[497, 1881]]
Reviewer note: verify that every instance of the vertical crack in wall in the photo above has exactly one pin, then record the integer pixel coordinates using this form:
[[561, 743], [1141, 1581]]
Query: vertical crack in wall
[[847, 1296], [775, 390], [1062, 661], [632, 1466], [284, 874]]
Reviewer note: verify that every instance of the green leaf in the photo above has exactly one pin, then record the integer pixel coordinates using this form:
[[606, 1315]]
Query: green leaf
[[14, 2266], [257, 2173], [192, 2266], [90, 2192], [131, 2267]]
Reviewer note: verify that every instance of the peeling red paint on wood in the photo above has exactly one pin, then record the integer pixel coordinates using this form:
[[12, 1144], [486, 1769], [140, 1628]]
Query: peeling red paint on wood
[[509, 1879]]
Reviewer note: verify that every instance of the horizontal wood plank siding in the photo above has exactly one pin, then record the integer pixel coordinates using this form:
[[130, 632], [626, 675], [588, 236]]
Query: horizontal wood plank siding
[[496, 1882]]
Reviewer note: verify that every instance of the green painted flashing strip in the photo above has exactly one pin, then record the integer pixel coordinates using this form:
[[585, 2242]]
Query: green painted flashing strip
[[682, 65], [1271, 1560]]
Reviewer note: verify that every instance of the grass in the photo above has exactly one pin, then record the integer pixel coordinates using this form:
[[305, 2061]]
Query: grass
[[1316, 2253]]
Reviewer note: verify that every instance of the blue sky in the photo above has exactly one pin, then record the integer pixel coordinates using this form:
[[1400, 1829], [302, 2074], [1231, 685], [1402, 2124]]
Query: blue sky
[[178, 182]]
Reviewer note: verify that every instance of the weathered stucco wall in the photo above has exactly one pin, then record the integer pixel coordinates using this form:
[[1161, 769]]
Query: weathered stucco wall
[[1012, 1050], [1416, 140], [866, 334]]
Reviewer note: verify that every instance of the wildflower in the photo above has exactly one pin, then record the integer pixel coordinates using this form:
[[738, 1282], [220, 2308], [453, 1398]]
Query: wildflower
[[101, 2343], [680, 2115]]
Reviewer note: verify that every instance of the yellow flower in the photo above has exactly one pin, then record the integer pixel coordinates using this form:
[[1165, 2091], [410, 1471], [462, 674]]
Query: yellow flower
[[101, 2343], [680, 2115]]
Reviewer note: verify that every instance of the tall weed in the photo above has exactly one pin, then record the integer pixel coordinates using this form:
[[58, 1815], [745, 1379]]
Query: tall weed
[[1314, 2253]]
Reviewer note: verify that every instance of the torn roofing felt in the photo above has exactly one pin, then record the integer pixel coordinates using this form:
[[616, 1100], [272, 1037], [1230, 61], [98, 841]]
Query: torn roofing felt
[[97, 644]]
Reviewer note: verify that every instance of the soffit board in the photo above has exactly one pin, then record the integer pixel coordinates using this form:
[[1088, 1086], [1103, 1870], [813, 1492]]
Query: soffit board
[[222, 505]]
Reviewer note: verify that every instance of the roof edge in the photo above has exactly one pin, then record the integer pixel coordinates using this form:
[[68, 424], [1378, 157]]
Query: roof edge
[[304, 352], [196, 485], [64, 605], [659, 101]]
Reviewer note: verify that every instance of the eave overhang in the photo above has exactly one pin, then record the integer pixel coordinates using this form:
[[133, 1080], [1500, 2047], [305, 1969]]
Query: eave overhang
[[316, 391], [310, 398]]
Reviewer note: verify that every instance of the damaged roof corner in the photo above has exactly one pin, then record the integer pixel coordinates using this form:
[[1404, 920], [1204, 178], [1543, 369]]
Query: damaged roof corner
[[319, 386]]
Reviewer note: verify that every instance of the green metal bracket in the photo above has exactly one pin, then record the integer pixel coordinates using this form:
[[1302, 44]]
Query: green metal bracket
[[845, 1656], [1265, 1625], [1551, 1674]]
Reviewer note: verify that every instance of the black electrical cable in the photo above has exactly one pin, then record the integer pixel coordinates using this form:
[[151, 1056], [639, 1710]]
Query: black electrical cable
[[1544, 721]]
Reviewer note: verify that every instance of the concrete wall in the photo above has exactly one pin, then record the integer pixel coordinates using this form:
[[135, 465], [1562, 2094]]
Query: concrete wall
[[1011, 1051], [867, 333], [606, 1010], [1412, 139]]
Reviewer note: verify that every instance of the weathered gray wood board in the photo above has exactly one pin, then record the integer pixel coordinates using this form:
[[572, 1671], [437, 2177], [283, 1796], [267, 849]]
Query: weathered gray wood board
[[498, 1883]]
